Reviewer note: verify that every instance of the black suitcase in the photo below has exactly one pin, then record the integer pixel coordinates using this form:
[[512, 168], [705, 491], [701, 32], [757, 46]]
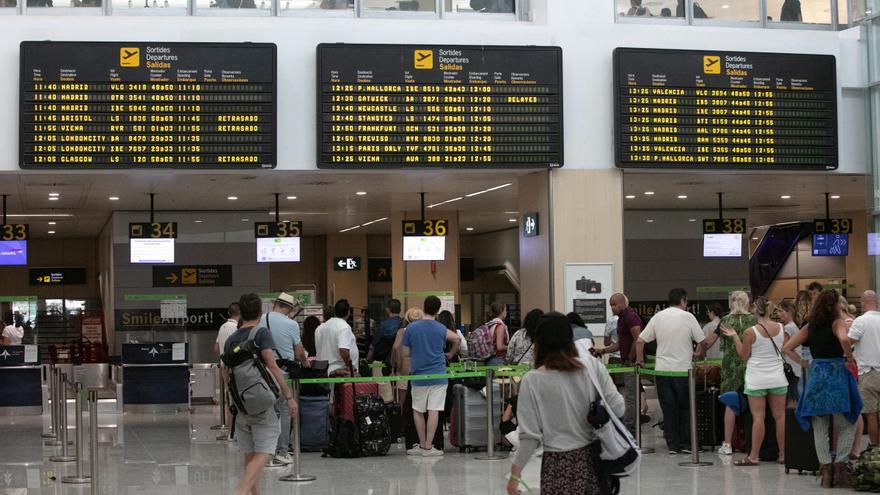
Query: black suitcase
[[769, 449], [710, 418], [800, 448]]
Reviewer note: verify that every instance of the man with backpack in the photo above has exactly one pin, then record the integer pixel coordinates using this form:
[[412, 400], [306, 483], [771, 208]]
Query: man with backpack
[[383, 339], [247, 353]]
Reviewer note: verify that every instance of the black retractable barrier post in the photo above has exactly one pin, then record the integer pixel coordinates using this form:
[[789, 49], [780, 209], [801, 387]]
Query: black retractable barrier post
[[490, 422], [53, 418], [297, 457], [695, 441], [93, 441], [79, 478], [65, 453], [639, 405]]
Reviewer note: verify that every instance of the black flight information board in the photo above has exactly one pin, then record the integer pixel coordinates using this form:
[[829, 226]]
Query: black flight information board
[[450, 106], [147, 105], [724, 110]]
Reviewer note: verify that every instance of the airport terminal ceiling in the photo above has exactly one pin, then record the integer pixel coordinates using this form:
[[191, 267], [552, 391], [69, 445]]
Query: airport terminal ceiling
[[326, 202]]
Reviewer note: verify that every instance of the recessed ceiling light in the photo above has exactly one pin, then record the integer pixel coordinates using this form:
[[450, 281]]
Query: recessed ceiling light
[[484, 191], [692, 219], [650, 220], [113, 198], [754, 238], [231, 198], [54, 195], [51, 232], [469, 229], [52, 223], [54, 198], [835, 196], [350, 228], [682, 196], [511, 220], [630, 196], [785, 196], [649, 193], [361, 193], [291, 197], [446, 202], [245, 220], [725, 6], [511, 213], [198, 221]]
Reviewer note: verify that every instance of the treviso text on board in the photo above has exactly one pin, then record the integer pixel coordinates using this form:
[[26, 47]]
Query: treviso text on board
[[728, 110], [401, 106], [146, 105]]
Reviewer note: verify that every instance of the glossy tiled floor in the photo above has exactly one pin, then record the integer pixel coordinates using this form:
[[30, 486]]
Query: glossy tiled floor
[[177, 454]]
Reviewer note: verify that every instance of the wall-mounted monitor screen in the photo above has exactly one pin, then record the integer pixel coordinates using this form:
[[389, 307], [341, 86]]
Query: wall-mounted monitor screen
[[152, 251], [424, 248], [278, 250], [13, 253], [873, 244], [830, 244], [722, 245]]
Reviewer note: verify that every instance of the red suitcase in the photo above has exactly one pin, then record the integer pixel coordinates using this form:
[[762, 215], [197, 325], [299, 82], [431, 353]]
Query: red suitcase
[[344, 397]]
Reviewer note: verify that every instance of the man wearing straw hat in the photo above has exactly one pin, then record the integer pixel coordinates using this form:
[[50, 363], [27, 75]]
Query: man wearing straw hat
[[288, 345]]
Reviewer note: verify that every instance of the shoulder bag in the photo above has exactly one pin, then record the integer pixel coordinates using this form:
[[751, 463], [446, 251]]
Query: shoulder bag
[[620, 454]]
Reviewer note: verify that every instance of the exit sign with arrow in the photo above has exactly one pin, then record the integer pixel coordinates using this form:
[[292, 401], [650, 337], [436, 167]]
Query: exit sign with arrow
[[347, 264]]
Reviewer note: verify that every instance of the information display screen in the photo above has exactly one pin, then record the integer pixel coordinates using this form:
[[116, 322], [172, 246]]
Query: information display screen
[[873, 244], [278, 249], [722, 245], [152, 251], [147, 105], [424, 248], [403, 106], [830, 244], [13, 253], [730, 110]]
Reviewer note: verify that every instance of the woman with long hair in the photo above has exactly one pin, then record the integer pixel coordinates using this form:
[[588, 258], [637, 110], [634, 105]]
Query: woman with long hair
[[554, 401], [831, 389], [521, 349], [765, 379], [308, 335]]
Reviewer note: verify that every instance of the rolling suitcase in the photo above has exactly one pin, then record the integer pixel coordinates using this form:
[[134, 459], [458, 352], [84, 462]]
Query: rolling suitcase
[[710, 418], [800, 448], [371, 420], [314, 421], [467, 430], [344, 398]]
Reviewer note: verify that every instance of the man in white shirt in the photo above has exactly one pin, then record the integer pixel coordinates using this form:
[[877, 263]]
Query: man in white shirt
[[675, 330], [334, 340], [228, 328], [13, 332], [865, 333]]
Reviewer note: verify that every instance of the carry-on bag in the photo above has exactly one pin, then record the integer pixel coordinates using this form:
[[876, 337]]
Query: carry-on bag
[[467, 430], [800, 448], [314, 420]]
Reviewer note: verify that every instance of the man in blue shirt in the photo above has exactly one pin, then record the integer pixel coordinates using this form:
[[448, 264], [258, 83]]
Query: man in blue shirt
[[383, 339], [285, 334], [423, 342]]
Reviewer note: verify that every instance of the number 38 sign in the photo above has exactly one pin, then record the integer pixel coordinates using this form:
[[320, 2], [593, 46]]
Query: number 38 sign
[[14, 232], [425, 228]]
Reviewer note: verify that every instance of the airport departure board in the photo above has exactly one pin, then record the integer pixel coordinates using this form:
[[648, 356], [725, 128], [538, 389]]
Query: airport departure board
[[146, 105], [724, 110], [449, 106]]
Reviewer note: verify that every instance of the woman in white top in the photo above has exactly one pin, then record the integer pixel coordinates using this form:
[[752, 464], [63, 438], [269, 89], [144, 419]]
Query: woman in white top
[[13, 331], [761, 348]]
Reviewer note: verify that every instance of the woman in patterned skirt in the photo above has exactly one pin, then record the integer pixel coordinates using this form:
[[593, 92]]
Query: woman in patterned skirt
[[554, 401]]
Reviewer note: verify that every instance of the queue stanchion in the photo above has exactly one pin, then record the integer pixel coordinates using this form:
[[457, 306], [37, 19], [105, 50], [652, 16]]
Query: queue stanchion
[[297, 475], [93, 441], [79, 478], [638, 401], [55, 441], [65, 452], [490, 422], [695, 441], [222, 426], [53, 418]]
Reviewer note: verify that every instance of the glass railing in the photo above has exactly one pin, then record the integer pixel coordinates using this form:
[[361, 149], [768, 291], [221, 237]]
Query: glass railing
[[476, 9], [794, 14]]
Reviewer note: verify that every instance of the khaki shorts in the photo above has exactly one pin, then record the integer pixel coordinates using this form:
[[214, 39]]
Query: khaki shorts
[[430, 398], [869, 388]]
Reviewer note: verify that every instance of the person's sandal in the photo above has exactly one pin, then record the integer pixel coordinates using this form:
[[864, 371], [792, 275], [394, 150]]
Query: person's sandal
[[780, 461], [745, 461]]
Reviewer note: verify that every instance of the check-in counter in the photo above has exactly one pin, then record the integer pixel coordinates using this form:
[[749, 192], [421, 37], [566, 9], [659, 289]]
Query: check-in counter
[[155, 377], [21, 381]]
